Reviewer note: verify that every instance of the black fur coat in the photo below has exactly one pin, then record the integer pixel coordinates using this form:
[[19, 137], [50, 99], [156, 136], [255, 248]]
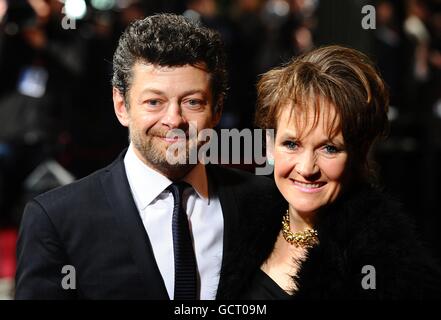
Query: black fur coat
[[364, 227]]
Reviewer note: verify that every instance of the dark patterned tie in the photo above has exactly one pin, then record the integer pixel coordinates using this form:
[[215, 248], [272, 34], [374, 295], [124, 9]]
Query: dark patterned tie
[[185, 260]]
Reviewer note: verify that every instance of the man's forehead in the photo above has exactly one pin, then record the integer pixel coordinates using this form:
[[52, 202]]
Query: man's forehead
[[148, 66]]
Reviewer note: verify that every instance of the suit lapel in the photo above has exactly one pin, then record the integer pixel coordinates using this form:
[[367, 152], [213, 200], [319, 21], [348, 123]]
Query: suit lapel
[[116, 187], [225, 191]]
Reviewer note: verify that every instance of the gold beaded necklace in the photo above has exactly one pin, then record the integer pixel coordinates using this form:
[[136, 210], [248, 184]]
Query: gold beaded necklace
[[304, 239]]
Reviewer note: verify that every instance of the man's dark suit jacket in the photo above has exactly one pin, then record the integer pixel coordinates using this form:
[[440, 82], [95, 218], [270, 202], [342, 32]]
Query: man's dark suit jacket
[[93, 225]]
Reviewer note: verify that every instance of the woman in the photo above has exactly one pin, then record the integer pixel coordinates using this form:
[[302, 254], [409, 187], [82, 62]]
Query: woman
[[334, 235]]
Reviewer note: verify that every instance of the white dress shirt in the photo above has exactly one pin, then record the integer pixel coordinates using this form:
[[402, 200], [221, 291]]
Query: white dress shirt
[[155, 205]]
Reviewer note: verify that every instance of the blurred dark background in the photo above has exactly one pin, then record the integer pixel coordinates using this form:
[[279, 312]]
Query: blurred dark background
[[56, 115]]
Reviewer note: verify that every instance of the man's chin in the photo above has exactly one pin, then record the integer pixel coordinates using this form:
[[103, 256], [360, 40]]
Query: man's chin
[[178, 166], [173, 171], [164, 156]]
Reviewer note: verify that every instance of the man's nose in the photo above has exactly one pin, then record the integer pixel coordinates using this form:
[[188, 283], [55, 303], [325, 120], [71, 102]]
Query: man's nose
[[173, 117]]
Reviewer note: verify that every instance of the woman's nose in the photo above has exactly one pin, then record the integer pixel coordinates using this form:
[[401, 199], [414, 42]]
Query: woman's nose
[[306, 165]]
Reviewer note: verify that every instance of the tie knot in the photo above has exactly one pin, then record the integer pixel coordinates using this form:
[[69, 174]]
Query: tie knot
[[177, 188]]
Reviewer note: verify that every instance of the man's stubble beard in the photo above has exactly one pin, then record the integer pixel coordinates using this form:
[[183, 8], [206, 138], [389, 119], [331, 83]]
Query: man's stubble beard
[[154, 155]]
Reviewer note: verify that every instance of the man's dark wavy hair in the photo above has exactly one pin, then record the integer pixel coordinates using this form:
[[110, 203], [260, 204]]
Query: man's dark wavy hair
[[170, 40]]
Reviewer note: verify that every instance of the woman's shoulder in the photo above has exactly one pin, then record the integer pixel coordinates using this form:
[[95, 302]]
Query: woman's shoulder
[[369, 220], [372, 230], [364, 207]]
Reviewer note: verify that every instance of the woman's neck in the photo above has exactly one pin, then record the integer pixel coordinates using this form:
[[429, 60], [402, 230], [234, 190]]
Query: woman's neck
[[300, 221]]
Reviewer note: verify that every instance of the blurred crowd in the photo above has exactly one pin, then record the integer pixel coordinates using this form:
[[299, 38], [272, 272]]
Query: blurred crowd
[[56, 117], [407, 49]]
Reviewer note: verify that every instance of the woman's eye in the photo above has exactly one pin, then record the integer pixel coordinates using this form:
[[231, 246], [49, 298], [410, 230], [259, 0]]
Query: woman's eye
[[291, 145], [331, 149]]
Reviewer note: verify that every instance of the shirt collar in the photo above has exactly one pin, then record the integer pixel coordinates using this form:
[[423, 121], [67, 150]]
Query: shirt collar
[[198, 179], [147, 184]]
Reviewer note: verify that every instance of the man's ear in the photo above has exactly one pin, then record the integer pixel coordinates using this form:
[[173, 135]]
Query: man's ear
[[119, 105]]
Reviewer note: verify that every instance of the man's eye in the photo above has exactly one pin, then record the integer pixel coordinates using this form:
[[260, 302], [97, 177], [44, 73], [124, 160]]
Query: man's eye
[[291, 145], [153, 102], [194, 102]]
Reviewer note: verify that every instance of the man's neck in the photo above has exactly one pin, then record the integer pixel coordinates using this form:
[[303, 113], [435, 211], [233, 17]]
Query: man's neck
[[194, 174]]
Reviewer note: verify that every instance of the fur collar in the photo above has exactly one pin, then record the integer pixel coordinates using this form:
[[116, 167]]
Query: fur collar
[[364, 227]]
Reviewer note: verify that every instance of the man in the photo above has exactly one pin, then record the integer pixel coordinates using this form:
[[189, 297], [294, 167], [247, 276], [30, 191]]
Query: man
[[119, 231]]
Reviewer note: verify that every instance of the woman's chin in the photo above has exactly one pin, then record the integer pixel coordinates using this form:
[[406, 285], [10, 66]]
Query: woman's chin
[[306, 211]]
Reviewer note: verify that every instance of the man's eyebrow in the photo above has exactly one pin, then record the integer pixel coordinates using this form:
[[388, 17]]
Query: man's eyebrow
[[155, 91], [193, 91], [183, 94]]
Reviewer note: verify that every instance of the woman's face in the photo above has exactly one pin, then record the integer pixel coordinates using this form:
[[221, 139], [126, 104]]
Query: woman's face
[[308, 170]]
